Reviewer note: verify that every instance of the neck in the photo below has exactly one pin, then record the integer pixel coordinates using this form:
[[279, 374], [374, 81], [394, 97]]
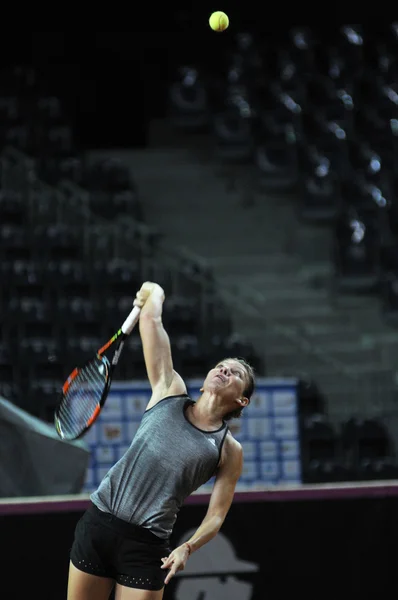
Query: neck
[[209, 410]]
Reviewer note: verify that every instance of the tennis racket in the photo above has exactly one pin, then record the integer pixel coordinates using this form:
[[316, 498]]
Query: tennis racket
[[85, 391]]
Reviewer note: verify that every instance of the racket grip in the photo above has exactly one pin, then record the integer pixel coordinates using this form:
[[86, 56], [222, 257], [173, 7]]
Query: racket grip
[[131, 321]]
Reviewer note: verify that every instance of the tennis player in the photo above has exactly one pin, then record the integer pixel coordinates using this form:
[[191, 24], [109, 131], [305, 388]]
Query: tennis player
[[122, 540]]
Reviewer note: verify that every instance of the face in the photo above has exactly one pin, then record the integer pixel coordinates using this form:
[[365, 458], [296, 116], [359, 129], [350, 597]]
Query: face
[[228, 378]]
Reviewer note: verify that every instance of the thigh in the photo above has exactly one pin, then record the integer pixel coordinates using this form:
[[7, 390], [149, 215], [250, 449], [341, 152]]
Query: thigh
[[94, 548], [128, 593], [139, 566], [84, 586]]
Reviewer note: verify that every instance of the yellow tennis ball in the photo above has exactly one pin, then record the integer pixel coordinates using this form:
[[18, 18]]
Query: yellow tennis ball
[[219, 21]]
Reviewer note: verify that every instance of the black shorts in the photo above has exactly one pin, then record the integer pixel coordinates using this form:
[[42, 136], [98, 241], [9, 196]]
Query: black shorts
[[107, 546]]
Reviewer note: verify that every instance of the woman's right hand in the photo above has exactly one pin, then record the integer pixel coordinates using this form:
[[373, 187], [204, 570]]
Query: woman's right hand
[[144, 293]]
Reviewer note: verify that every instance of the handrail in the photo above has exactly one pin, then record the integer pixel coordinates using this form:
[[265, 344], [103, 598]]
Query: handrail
[[175, 257], [72, 205]]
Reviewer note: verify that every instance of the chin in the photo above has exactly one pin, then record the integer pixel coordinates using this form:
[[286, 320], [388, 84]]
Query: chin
[[214, 387]]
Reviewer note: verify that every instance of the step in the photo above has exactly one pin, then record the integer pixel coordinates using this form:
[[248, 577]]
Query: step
[[316, 269], [348, 345], [139, 159], [301, 369], [171, 175], [270, 308], [386, 338], [355, 301], [270, 278], [297, 293], [355, 365], [288, 322], [315, 361], [330, 346], [275, 337], [259, 261], [335, 327], [383, 378], [278, 311]]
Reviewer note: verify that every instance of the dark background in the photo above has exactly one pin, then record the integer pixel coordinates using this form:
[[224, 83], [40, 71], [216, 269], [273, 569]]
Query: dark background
[[112, 84], [317, 549]]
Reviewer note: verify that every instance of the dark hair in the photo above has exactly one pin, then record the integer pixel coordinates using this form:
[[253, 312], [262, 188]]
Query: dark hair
[[247, 392]]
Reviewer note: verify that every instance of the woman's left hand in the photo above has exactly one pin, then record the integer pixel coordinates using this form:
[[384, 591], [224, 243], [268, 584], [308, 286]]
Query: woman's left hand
[[176, 561]]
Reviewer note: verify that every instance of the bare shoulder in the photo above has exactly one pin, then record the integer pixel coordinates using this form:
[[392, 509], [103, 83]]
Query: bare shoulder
[[232, 452], [232, 442]]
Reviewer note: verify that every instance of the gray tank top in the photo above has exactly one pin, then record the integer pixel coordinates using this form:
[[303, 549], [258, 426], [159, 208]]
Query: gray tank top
[[168, 459]]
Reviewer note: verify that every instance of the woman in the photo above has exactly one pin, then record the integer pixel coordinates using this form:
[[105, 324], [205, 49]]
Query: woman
[[123, 538]]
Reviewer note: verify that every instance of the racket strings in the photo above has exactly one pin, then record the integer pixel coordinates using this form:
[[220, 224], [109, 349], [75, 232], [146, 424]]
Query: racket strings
[[83, 396]]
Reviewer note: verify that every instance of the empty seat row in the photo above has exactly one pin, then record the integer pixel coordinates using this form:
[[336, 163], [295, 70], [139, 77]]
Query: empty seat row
[[316, 113], [63, 293], [359, 449]]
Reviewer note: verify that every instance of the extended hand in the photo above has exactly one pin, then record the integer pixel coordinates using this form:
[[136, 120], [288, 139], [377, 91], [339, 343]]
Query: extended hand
[[176, 561]]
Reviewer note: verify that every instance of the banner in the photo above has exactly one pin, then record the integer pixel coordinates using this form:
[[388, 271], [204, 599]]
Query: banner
[[268, 431], [34, 461]]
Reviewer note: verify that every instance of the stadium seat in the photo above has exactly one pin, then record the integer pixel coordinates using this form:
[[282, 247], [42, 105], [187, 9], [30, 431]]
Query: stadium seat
[[47, 111], [132, 363], [318, 187], [276, 162], [319, 438], [365, 440], [12, 209], [191, 360], [234, 140], [15, 243], [188, 101], [377, 469], [320, 452], [327, 471], [41, 398], [389, 296], [107, 175], [303, 44], [57, 242], [180, 316], [310, 399], [361, 194], [356, 253]]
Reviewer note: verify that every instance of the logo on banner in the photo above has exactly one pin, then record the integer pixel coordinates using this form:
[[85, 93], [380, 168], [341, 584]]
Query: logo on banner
[[211, 573]]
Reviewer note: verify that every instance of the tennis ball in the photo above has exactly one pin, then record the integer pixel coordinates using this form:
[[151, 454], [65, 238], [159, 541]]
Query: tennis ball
[[219, 21]]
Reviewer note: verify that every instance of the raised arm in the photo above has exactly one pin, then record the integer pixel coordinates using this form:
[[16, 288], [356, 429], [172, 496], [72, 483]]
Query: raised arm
[[156, 344]]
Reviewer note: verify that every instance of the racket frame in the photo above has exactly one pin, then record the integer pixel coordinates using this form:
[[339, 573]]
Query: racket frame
[[119, 337]]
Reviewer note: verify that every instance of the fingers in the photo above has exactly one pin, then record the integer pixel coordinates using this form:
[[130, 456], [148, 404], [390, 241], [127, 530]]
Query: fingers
[[175, 562], [167, 562], [144, 292], [140, 299], [170, 574], [147, 288]]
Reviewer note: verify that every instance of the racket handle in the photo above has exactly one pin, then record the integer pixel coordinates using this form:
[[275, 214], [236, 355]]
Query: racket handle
[[131, 321]]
